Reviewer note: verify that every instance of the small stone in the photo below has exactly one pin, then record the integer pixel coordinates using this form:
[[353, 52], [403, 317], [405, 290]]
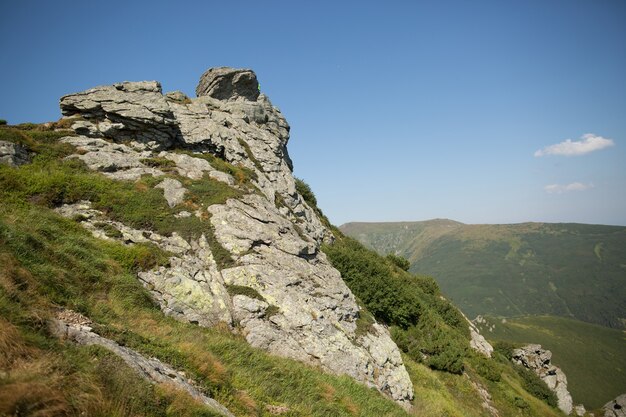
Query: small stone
[[173, 191]]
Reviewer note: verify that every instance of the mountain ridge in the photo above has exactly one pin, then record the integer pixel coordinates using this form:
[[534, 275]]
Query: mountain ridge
[[489, 261]]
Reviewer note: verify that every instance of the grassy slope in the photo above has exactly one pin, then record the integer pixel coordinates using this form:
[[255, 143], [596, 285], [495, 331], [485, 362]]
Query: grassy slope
[[49, 262], [570, 270], [593, 357]]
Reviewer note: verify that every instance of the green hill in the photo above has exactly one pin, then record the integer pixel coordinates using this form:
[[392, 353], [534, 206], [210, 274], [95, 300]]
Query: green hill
[[568, 270], [591, 356]]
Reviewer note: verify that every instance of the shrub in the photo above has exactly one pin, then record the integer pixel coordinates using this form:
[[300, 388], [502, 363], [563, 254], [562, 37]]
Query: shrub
[[487, 368], [505, 349], [161, 163], [426, 327], [243, 290], [373, 282], [399, 261], [534, 385], [305, 191], [3, 122]]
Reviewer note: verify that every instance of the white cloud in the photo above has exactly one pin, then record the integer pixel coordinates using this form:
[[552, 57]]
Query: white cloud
[[559, 188], [588, 143]]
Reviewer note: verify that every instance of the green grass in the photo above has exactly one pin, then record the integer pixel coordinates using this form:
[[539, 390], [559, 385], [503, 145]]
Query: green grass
[[61, 264], [591, 356], [48, 261]]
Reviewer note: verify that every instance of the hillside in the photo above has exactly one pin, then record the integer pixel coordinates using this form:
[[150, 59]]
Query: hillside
[[158, 258], [592, 356], [568, 270]]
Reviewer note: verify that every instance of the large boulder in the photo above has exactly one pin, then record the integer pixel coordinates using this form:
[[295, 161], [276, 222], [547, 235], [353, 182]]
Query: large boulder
[[225, 83]]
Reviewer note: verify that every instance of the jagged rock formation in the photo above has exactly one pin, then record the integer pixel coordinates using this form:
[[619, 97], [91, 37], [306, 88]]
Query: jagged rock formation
[[76, 328], [13, 154], [293, 302], [538, 360], [616, 407]]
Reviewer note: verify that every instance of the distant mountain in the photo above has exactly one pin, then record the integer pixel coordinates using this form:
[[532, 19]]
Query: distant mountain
[[562, 269]]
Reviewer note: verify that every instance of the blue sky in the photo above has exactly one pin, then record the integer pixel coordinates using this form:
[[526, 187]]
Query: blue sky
[[399, 110]]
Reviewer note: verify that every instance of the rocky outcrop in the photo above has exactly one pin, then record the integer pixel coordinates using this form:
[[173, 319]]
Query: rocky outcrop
[[279, 291], [615, 408], [253, 134], [538, 360], [76, 328], [13, 154], [226, 83]]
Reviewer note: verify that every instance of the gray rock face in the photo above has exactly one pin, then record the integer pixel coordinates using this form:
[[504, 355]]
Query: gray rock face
[[191, 289], [128, 111], [13, 154], [226, 83], [248, 131], [315, 313], [615, 408], [296, 305], [538, 360], [173, 191], [477, 341], [151, 369]]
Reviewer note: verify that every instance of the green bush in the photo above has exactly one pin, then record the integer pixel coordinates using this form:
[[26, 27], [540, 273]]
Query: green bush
[[305, 191], [243, 290], [423, 325], [373, 282], [534, 385], [399, 261], [505, 349], [487, 368], [3, 122]]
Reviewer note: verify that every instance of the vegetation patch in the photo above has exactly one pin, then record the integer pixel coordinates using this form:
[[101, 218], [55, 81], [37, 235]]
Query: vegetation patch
[[109, 230], [272, 310], [160, 163], [426, 327], [249, 154], [243, 175], [243, 290], [309, 197]]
